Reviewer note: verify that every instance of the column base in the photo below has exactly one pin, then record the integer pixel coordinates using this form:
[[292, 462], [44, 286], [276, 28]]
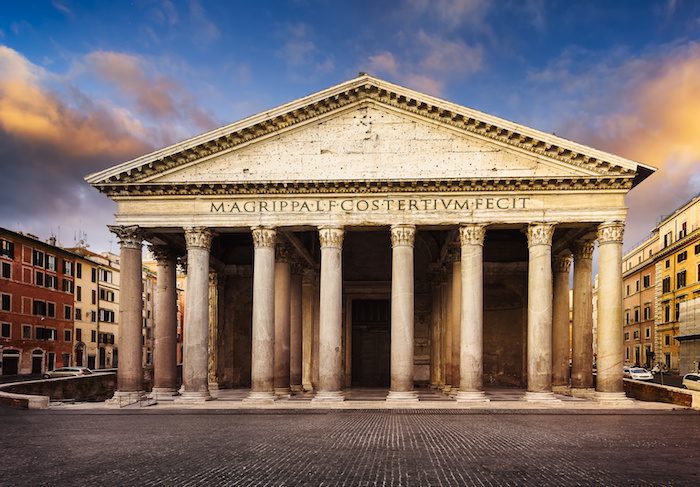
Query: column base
[[329, 396], [213, 386], [164, 393], [472, 396], [297, 388], [260, 397], [446, 388], [193, 397], [125, 398], [454, 391], [402, 396], [308, 388], [541, 396], [613, 399], [283, 392], [564, 389], [583, 392]]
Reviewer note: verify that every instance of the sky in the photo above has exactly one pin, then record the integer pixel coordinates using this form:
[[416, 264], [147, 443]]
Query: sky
[[85, 85]]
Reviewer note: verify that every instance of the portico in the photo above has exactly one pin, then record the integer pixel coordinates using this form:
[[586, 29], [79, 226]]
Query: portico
[[366, 225]]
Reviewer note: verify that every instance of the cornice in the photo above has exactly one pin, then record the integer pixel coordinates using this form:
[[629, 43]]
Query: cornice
[[367, 89]]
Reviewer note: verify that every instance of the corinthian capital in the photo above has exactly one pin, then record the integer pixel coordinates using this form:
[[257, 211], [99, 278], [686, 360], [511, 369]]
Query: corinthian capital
[[264, 237], [540, 234], [611, 232], [331, 237], [198, 237], [472, 234], [130, 237], [403, 235], [562, 263], [583, 249]]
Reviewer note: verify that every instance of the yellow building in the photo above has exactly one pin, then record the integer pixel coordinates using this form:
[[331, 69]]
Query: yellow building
[[677, 276]]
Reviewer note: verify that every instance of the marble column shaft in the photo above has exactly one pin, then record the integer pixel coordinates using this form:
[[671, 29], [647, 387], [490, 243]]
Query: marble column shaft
[[560, 322], [539, 311], [447, 326], [307, 325], [435, 332], [165, 353], [282, 321], [582, 322], [456, 302], [130, 370], [263, 339], [295, 331], [609, 360], [471, 359], [330, 377], [402, 313], [195, 368]]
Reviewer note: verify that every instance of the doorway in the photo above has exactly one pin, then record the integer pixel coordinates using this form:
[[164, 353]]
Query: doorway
[[10, 362], [371, 342], [37, 361]]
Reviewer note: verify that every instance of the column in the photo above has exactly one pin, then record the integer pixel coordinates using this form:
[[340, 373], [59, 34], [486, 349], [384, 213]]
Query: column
[[582, 323], [402, 313], [295, 330], [609, 385], [165, 349], [282, 286], [212, 362], [307, 325], [129, 370], [447, 342], [263, 339], [456, 302], [539, 313], [560, 324], [471, 360], [195, 364], [316, 333], [435, 320], [330, 375]]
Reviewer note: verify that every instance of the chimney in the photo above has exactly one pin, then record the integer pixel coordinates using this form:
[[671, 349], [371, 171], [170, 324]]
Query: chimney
[[52, 240]]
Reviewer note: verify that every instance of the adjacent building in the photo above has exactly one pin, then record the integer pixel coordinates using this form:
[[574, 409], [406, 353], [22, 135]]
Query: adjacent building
[[37, 285]]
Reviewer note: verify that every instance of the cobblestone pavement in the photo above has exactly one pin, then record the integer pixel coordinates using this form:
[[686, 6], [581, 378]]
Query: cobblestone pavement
[[353, 448]]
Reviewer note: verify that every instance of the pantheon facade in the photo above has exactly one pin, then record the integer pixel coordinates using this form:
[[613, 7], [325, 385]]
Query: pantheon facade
[[372, 236]]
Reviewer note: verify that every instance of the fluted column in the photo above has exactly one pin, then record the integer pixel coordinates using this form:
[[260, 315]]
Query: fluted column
[[471, 360], [295, 330], [609, 386], [213, 358], [402, 313], [539, 313], [456, 303], [315, 344], [582, 323], [447, 328], [435, 322], [330, 380], [129, 370], [282, 307], [560, 323], [307, 325], [263, 339], [165, 348], [195, 383]]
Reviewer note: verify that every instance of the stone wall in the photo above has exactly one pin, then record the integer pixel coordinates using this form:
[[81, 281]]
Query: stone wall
[[648, 391], [95, 387]]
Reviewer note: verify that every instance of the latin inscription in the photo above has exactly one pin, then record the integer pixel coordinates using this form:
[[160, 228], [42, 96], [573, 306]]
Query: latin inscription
[[352, 205]]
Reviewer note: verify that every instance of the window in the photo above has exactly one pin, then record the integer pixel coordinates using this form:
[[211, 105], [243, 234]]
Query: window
[[636, 315], [26, 332], [106, 315], [38, 258], [78, 293], [636, 285], [66, 359], [67, 312], [6, 270], [51, 310], [6, 305], [627, 353], [667, 313], [39, 308], [67, 267], [697, 249], [67, 286], [647, 332], [45, 333], [94, 297], [627, 317], [7, 248], [668, 263], [78, 335], [668, 239], [39, 278], [680, 279], [636, 334], [93, 316], [107, 295], [50, 281], [683, 256], [93, 336], [627, 290], [105, 275], [627, 335], [646, 281], [667, 339], [647, 312], [66, 335], [6, 330], [51, 263], [94, 275], [666, 285], [79, 270], [78, 314], [683, 231], [678, 310]]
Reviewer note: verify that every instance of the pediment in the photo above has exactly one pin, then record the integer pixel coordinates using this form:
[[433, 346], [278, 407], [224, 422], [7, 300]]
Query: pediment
[[369, 130]]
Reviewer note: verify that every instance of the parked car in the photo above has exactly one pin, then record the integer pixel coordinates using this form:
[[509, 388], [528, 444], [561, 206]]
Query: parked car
[[626, 371], [691, 381], [638, 373], [67, 372]]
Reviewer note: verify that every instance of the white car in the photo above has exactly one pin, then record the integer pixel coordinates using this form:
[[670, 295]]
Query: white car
[[67, 372], [638, 373], [691, 381]]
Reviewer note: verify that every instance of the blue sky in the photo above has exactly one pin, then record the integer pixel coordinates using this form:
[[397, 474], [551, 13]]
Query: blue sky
[[84, 85]]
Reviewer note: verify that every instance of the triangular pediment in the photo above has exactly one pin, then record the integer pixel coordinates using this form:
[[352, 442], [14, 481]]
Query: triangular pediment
[[369, 130]]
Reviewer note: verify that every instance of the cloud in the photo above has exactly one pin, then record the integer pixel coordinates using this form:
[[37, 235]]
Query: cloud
[[62, 7], [205, 29], [383, 62], [301, 54], [644, 108], [450, 13]]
